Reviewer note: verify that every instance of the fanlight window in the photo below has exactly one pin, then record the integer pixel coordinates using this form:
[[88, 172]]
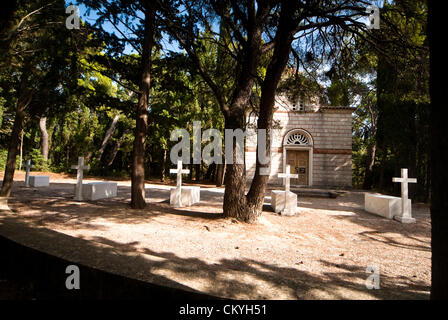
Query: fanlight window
[[298, 139]]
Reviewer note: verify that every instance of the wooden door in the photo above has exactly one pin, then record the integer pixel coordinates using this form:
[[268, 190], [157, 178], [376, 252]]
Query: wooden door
[[299, 163]]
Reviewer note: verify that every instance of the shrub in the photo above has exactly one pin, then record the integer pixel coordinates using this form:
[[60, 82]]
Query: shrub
[[38, 160], [3, 156]]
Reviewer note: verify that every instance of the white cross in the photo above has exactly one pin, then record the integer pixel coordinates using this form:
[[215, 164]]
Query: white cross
[[179, 172], [404, 192], [288, 175], [80, 173], [28, 166]]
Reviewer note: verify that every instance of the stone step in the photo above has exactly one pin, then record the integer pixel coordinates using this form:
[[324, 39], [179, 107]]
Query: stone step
[[316, 193]]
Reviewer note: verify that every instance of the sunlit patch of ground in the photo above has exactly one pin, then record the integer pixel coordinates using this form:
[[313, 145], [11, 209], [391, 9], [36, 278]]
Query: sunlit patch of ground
[[322, 253]]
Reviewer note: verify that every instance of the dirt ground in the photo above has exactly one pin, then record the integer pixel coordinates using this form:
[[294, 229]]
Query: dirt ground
[[321, 253]]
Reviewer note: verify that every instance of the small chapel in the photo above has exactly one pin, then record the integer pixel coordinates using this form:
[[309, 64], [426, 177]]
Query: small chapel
[[313, 138]]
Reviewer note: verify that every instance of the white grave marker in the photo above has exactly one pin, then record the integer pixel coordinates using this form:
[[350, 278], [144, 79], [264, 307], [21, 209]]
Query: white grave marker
[[406, 216], [288, 175], [39, 181], [28, 166], [177, 197], [80, 173], [290, 199], [4, 204]]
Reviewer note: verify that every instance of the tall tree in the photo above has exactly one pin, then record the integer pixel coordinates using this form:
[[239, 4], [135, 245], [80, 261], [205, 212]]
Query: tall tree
[[138, 158], [40, 60], [439, 156], [261, 34], [403, 96], [134, 21]]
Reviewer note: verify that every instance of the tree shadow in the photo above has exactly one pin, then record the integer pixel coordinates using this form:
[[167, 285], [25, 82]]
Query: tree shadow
[[57, 205], [38, 258], [236, 278], [350, 207]]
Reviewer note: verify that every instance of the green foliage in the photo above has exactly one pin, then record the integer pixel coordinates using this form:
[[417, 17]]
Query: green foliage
[[82, 79], [38, 160], [403, 99], [3, 155]]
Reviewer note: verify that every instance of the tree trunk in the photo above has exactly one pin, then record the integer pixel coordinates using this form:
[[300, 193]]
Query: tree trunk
[[382, 165], [439, 158], [107, 137], [138, 157], [67, 156], [14, 143], [198, 172], [209, 175], [113, 153], [13, 149], [21, 151], [44, 137], [163, 169], [220, 174], [368, 177], [248, 208], [235, 178], [190, 175]]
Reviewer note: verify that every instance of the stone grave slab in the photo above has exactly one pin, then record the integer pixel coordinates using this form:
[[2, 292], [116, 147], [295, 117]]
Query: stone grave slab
[[99, 190], [288, 205], [278, 202], [382, 205], [185, 196], [39, 181]]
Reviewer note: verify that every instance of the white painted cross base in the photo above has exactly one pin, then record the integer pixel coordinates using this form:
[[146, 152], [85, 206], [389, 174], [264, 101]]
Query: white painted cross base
[[405, 219], [382, 205], [99, 190], [184, 197], [39, 181], [278, 203]]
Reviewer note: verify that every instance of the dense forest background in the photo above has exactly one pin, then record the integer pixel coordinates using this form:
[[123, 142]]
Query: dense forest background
[[83, 94]]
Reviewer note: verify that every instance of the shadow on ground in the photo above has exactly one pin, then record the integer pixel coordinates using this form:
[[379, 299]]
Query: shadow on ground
[[228, 278]]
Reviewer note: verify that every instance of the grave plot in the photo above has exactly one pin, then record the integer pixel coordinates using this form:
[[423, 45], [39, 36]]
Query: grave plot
[[285, 202], [390, 207]]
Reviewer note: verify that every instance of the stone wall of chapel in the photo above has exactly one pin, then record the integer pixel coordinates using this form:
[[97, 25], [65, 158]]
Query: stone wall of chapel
[[331, 130]]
